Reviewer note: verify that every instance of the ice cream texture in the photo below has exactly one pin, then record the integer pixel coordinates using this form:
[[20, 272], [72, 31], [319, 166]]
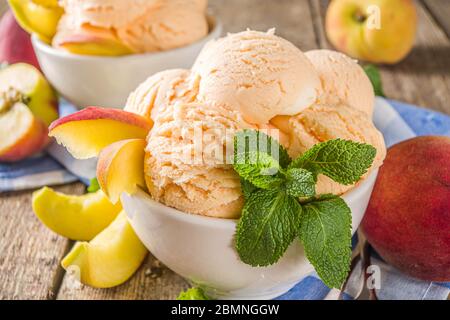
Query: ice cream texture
[[139, 25], [343, 81], [249, 80], [258, 74]]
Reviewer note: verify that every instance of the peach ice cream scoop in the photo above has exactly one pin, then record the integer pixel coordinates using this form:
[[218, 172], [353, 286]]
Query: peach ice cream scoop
[[258, 74], [138, 25], [321, 123], [185, 163], [342, 80], [162, 89], [249, 80]]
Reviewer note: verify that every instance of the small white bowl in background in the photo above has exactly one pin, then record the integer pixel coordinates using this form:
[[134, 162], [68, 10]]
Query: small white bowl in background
[[201, 249], [107, 81]]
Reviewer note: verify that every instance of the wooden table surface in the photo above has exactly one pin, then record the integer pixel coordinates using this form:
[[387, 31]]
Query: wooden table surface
[[30, 254]]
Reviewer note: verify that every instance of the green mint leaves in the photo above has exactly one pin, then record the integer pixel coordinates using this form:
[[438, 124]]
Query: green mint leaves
[[267, 227], [193, 294], [300, 183], [375, 78], [94, 186], [325, 233], [341, 160], [258, 168], [281, 203]]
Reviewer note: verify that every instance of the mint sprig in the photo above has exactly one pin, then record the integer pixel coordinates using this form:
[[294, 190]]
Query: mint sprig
[[259, 168], [374, 76], [267, 227], [246, 141], [193, 294], [325, 232], [94, 186], [343, 161], [281, 203], [300, 183]]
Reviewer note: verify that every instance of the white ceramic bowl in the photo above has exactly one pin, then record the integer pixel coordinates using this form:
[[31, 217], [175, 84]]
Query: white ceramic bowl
[[107, 81], [201, 249]]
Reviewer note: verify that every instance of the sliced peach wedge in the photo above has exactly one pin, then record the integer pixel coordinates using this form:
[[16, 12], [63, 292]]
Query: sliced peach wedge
[[110, 259], [74, 217], [120, 168], [94, 41], [86, 132], [37, 16]]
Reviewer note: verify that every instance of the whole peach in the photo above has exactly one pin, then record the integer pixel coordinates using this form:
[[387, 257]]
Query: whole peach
[[379, 31], [15, 43], [408, 217]]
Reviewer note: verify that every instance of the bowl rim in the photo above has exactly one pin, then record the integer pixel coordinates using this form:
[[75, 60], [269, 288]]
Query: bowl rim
[[215, 30], [361, 187]]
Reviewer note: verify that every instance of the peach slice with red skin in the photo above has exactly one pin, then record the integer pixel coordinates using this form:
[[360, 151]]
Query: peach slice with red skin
[[94, 41], [85, 133], [120, 168]]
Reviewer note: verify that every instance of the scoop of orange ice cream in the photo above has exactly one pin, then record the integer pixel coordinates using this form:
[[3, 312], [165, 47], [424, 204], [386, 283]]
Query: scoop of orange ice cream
[[186, 166], [258, 74], [162, 89], [141, 25], [343, 80], [321, 123]]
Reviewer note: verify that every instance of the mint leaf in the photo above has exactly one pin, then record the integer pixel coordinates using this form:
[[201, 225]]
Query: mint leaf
[[325, 231], [374, 76], [253, 140], [300, 183], [93, 185], [247, 188], [267, 227], [343, 161], [193, 294], [259, 168]]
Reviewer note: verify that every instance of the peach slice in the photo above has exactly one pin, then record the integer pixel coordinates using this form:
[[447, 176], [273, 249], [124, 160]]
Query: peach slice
[[120, 168], [74, 217], [93, 41], [86, 132], [39, 17], [110, 259], [21, 134]]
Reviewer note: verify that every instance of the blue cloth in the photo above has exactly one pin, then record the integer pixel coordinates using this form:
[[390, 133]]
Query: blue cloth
[[396, 120]]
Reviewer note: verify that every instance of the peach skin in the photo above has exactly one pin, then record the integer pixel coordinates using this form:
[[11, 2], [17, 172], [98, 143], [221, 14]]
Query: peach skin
[[379, 31], [85, 133], [120, 167], [90, 40], [21, 133]]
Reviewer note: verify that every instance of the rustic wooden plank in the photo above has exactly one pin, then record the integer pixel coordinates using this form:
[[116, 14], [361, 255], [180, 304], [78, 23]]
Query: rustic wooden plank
[[29, 252], [440, 10], [423, 77], [151, 282], [293, 20]]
